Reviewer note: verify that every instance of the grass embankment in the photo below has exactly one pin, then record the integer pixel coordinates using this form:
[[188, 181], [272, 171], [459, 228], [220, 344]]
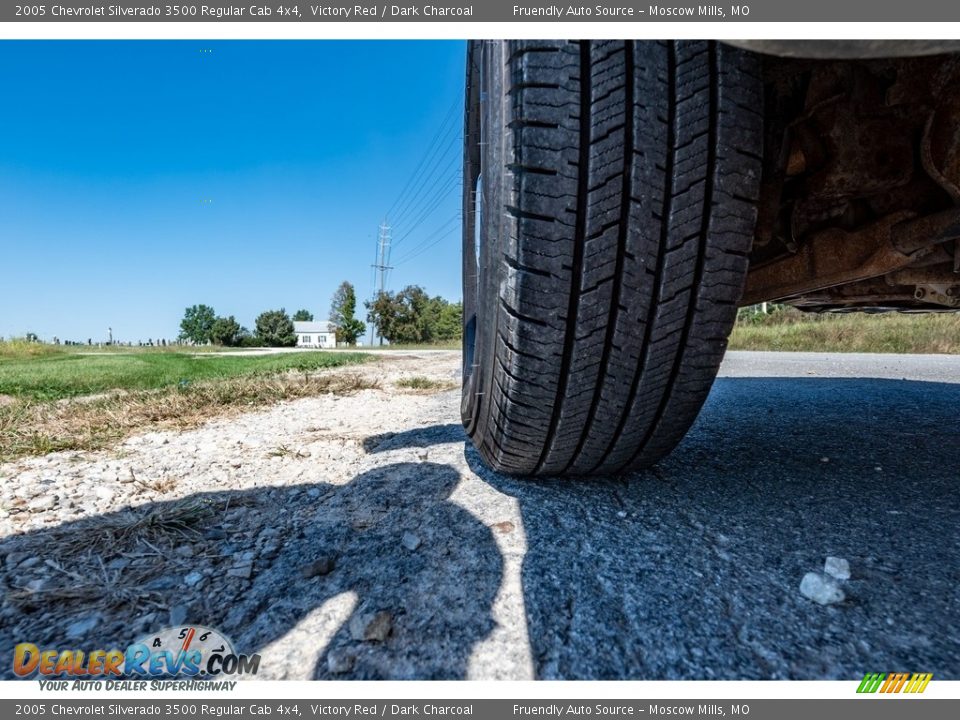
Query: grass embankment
[[789, 329], [53, 399]]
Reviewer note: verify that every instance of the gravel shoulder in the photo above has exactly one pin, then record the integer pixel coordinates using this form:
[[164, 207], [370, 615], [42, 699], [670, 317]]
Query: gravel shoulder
[[360, 537]]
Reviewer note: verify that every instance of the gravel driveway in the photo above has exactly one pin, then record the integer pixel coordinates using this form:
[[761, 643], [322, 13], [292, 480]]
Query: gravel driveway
[[359, 537]]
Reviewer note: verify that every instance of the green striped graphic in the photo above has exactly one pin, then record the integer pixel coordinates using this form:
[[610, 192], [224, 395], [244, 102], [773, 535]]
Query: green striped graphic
[[871, 682]]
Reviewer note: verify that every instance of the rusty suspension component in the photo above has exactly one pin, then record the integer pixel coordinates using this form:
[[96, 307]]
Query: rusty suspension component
[[837, 257]]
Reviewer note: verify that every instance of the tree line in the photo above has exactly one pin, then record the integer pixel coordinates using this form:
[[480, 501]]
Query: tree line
[[409, 316], [273, 328], [412, 316]]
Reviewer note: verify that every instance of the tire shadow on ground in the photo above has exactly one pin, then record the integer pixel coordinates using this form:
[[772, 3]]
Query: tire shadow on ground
[[255, 564]]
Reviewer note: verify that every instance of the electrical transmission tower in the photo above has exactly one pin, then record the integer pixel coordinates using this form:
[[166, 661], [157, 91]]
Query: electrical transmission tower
[[382, 265]]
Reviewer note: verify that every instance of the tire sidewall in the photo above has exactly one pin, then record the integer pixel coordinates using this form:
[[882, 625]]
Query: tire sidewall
[[484, 142]]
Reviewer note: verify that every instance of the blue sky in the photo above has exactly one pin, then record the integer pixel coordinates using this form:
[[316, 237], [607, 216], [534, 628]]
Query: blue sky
[[137, 178]]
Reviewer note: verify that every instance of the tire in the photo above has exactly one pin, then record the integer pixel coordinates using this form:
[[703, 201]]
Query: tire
[[610, 193]]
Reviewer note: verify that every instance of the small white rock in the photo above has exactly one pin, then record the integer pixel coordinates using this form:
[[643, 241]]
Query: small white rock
[[42, 503], [837, 567], [81, 627], [105, 494], [193, 579], [340, 660], [240, 571], [410, 541], [178, 614], [371, 627], [821, 589]]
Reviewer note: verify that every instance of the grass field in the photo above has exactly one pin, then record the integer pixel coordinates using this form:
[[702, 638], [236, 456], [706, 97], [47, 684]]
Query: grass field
[[54, 398], [44, 372], [788, 329]]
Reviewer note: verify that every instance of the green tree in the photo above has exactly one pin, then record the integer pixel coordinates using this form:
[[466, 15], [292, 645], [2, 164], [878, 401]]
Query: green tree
[[409, 316], [412, 316], [447, 321], [197, 323], [248, 340], [343, 309], [226, 331], [412, 324], [275, 329], [303, 316], [382, 313]]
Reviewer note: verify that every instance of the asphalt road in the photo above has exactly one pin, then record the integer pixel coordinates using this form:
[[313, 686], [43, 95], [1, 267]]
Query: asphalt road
[[691, 570]]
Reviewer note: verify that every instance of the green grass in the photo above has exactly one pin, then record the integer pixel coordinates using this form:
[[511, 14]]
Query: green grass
[[44, 373], [30, 427], [790, 330], [419, 382]]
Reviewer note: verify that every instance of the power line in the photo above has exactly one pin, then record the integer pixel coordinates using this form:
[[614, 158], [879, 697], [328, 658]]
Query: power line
[[451, 113], [435, 242], [452, 181], [431, 182], [426, 244], [424, 182]]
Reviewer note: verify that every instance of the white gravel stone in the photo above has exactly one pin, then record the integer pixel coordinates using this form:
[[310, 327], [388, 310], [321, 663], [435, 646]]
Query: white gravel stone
[[820, 588], [241, 571], [837, 567], [42, 503], [81, 627], [410, 541], [105, 494], [178, 615], [373, 627], [340, 660]]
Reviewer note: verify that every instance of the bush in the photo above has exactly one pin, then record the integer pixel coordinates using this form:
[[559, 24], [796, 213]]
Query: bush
[[226, 331], [274, 328]]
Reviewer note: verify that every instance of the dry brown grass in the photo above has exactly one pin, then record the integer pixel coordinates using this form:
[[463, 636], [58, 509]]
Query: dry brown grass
[[20, 348], [789, 329], [36, 428], [79, 572]]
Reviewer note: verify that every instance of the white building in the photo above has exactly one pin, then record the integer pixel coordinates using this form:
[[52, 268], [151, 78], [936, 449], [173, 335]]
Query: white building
[[321, 334]]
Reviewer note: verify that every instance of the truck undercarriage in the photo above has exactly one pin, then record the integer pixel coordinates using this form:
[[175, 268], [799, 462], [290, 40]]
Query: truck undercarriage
[[860, 194]]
